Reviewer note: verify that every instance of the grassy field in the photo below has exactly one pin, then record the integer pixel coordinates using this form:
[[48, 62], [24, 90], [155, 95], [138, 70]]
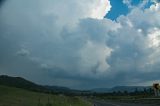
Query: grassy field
[[18, 97]]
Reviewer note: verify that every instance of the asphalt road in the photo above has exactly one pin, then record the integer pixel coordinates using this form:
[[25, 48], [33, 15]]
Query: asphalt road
[[102, 103]]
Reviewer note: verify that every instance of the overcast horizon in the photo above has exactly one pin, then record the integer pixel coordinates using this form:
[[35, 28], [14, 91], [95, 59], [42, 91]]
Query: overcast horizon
[[81, 44]]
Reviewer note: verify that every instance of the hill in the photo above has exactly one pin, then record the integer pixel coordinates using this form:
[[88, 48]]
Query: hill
[[19, 82]]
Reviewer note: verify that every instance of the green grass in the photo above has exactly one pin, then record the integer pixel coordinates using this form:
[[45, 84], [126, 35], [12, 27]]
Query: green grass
[[18, 97]]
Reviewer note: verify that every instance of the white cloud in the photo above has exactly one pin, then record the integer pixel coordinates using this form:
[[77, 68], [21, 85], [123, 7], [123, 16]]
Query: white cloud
[[155, 7], [154, 38], [93, 58], [101, 9]]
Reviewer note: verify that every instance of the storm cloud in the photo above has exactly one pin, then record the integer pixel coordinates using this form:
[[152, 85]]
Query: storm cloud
[[62, 43]]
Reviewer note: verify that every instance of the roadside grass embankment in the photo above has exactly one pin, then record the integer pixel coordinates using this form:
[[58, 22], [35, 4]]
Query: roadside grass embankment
[[10, 96]]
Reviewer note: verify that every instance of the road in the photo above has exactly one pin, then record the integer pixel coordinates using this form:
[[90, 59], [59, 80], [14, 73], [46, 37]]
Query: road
[[102, 103]]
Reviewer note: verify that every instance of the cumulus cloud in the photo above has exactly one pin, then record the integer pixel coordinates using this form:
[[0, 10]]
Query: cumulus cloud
[[141, 4], [70, 44], [135, 43], [101, 9]]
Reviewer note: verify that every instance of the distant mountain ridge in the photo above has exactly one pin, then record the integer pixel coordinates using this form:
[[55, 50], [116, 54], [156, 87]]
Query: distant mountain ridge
[[120, 88]]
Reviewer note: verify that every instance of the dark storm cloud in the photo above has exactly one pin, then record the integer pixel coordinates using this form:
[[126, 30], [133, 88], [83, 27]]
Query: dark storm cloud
[[1, 2]]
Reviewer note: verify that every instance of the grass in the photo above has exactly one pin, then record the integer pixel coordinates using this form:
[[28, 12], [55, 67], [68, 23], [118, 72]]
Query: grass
[[10, 96]]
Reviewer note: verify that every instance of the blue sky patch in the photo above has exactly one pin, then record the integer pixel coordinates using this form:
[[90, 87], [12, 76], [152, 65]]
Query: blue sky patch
[[119, 8]]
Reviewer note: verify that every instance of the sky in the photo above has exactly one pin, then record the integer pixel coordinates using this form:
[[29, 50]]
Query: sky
[[81, 44]]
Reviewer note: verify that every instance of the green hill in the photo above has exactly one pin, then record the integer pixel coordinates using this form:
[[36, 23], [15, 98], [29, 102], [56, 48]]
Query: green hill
[[20, 82], [10, 96]]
